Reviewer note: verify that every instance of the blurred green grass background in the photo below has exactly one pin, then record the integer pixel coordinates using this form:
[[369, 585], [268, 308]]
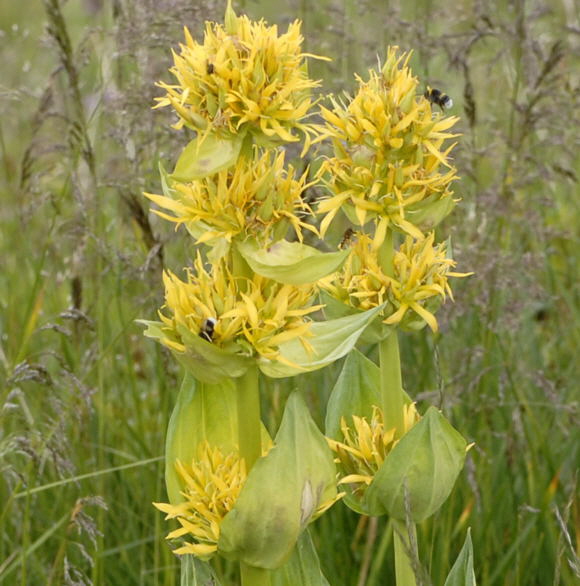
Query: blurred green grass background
[[85, 398]]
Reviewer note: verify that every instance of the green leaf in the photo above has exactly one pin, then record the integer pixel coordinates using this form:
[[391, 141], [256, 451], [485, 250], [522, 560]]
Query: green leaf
[[302, 568], [355, 392], [420, 470], [462, 573], [430, 212], [374, 333], [330, 340], [202, 412], [281, 493], [206, 155], [194, 572], [291, 263], [204, 360]]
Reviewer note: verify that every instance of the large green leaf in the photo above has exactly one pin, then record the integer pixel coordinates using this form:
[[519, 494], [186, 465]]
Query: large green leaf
[[303, 567], [292, 263], [281, 493], [202, 412], [329, 341], [420, 471], [462, 573], [206, 155], [194, 572]]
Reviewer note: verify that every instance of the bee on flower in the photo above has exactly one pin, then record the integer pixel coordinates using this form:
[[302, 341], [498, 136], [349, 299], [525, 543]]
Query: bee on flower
[[390, 164]]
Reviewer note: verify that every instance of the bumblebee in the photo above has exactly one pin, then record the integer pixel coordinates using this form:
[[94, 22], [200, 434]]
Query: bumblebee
[[347, 239], [438, 98], [207, 329]]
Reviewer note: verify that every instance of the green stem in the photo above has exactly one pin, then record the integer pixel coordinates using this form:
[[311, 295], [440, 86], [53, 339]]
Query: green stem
[[393, 403], [405, 549], [249, 422], [249, 438], [392, 397], [252, 576]]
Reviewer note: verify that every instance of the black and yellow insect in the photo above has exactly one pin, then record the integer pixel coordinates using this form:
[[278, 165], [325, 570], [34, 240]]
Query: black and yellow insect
[[438, 98], [207, 329], [347, 239]]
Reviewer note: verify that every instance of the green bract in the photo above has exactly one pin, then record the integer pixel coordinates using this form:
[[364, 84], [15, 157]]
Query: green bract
[[331, 340], [420, 470], [205, 156], [422, 467], [281, 494], [202, 412], [462, 573], [291, 263]]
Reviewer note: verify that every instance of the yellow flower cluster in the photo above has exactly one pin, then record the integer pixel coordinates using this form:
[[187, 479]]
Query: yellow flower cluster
[[420, 272], [212, 484], [365, 447], [389, 162], [243, 78], [258, 198], [254, 315]]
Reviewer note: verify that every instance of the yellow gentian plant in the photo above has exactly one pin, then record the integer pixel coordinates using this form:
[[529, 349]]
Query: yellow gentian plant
[[247, 305], [391, 175]]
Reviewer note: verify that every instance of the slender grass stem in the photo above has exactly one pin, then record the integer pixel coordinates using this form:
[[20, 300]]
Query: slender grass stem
[[404, 552]]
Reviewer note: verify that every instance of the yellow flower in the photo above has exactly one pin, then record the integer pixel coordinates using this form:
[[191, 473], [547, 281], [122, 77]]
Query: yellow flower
[[256, 197], [366, 446], [244, 77], [212, 484], [389, 162], [252, 315], [418, 285]]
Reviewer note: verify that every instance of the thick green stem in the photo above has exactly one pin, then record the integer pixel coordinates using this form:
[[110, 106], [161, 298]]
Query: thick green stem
[[249, 438], [391, 384], [405, 549], [254, 576], [249, 422], [390, 362], [393, 403]]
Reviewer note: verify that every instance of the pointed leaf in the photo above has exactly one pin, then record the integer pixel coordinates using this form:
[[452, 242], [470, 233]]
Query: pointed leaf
[[302, 568], [375, 332], [202, 412], [282, 492], [194, 572], [330, 341], [291, 263], [420, 470], [206, 155], [356, 391], [462, 573]]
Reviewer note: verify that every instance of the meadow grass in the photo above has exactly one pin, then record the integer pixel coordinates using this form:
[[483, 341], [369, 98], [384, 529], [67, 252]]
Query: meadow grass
[[85, 398]]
